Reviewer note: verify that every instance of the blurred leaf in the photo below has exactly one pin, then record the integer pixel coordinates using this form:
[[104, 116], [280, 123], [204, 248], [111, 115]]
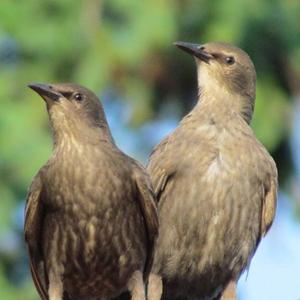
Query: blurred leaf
[[271, 112]]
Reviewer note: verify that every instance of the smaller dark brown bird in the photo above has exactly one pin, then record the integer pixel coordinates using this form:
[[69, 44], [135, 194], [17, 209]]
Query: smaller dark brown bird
[[215, 182], [90, 219]]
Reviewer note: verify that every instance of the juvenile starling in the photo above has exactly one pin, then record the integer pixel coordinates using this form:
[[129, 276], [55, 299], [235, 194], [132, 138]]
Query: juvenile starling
[[90, 219], [215, 182]]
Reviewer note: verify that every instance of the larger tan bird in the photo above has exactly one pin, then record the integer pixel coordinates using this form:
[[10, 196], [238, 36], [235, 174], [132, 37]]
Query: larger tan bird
[[90, 219], [216, 183]]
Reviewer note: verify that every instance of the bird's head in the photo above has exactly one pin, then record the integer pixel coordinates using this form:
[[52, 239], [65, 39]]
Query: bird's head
[[73, 109], [225, 71]]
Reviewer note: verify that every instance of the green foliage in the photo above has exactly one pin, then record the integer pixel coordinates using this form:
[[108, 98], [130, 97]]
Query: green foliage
[[271, 101], [10, 292]]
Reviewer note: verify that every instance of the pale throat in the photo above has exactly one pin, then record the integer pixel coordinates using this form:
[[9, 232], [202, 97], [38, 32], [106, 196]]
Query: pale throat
[[216, 97], [67, 143], [69, 132]]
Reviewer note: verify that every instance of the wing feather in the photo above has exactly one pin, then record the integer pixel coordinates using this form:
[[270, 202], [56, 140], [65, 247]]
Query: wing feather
[[160, 168], [269, 206], [148, 206], [33, 224]]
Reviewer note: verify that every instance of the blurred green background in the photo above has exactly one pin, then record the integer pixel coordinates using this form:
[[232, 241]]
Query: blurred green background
[[122, 49]]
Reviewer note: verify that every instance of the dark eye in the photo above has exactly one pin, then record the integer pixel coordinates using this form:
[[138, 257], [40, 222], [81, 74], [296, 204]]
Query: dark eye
[[78, 97], [201, 48], [229, 60]]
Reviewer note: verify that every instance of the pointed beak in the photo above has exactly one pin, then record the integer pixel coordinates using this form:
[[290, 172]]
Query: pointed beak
[[195, 50], [46, 91]]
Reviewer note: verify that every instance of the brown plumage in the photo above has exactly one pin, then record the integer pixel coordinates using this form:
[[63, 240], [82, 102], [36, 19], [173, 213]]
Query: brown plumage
[[90, 219], [215, 182]]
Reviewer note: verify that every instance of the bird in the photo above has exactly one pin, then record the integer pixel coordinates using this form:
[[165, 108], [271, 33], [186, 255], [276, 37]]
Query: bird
[[215, 183], [90, 216]]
